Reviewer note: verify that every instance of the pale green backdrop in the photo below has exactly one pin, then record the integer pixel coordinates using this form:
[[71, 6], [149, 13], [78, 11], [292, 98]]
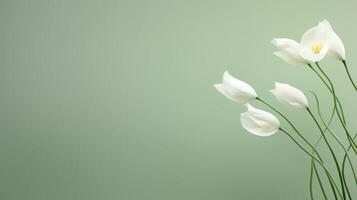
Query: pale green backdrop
[[110, 99]]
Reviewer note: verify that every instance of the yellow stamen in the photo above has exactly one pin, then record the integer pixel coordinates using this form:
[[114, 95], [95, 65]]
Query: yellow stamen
[[259, 126], [316, 48]]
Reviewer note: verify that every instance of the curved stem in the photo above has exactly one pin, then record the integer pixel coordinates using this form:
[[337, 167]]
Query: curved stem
[[312, 170], [301, 136], [331, 150], [339, 142], [349, 75], [291, 124], [316, 159], [338, 114], [330, 89], [344, 161], [313, 167]]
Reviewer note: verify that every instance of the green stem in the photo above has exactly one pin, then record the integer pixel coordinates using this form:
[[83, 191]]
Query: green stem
[[301, 136], [319, 180], [344, 161], [330, 89], [338, 114], [291, 124], [312, 170], [338, 141], [316, 159], [310, 180], [313, 167], [331, 150], [349, 75]]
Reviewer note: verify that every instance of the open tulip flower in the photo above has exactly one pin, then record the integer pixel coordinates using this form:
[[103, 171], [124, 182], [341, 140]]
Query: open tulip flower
[[313, 47], [314, 44], [290, 95], [259, 122], [236, 90]]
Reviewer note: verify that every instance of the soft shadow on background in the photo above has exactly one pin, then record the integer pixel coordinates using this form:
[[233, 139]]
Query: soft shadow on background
[[115, 99]]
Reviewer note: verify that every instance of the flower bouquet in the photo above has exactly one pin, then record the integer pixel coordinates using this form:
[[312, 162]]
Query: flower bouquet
[[316, 43]]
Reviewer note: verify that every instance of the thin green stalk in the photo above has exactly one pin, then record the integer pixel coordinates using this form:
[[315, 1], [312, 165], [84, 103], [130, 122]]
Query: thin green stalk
[[344, 161], [312, 170], [338, 114], [311, 176], [331, 150], [339, 142], [330, 89], [334, 135], [319, 181], [301, 136], [290, 123], [349, 75], [316, 159], [313, 167]]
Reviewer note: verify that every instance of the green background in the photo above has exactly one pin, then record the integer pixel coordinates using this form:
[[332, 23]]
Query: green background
[[115, 99]]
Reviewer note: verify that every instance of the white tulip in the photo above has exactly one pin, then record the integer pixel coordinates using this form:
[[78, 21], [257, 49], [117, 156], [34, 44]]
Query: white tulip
[[259, 122], [290, 95], [289, 51], [336, 47], [236, 90], [313, 47]]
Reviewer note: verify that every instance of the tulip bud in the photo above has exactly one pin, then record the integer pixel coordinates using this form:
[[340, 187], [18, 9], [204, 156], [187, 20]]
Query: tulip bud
[[236, 90], [290, 95]]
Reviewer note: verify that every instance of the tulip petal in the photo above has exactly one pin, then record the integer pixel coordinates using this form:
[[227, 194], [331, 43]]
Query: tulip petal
[[289, 51], [228, 79], [318, 34], [290, 56], [283, 43], [249, 125], [336, 47], [226, 92]]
